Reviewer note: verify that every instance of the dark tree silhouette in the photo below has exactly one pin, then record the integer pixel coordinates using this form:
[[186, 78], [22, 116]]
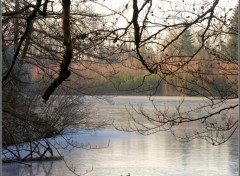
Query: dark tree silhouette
[[66, 48]]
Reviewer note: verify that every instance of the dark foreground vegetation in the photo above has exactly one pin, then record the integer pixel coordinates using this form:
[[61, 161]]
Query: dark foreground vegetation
[[52, 51]]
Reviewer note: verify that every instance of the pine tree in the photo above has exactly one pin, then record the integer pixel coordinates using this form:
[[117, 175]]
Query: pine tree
[[186, 43], [232, 44]]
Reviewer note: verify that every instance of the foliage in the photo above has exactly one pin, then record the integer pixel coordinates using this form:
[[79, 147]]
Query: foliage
[[174, 47], [186, 43], [232, 44], [31, 46]]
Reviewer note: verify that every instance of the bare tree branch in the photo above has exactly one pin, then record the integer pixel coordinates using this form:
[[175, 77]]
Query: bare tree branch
[[64, 71]]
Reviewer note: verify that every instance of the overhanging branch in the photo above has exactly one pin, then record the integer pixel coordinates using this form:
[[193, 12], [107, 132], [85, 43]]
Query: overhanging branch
[[64, 71]]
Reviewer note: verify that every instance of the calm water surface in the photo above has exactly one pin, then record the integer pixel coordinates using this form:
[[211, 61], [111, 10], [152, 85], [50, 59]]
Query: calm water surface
[[155, 155]]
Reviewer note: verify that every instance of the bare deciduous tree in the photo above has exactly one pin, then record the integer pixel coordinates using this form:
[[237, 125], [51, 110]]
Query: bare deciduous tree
[[68, 47]]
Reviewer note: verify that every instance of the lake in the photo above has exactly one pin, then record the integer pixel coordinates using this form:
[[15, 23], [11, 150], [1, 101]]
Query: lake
[[122, 153]]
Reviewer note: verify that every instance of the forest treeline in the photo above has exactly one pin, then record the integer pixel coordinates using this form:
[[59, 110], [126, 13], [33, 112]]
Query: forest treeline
[[124, 80], [213, 71], [126, 76], [67, 48], [130, 82]]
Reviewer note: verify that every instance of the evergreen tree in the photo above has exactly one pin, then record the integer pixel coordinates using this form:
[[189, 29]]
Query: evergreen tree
[[232, 44], [186, 43]]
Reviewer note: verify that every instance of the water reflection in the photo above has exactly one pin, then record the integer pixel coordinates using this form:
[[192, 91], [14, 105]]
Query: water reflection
[[158, 154], [38, 168], [155, 155]]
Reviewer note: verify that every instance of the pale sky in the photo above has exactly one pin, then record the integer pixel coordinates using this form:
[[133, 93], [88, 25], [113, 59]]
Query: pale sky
[[166, 6]]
